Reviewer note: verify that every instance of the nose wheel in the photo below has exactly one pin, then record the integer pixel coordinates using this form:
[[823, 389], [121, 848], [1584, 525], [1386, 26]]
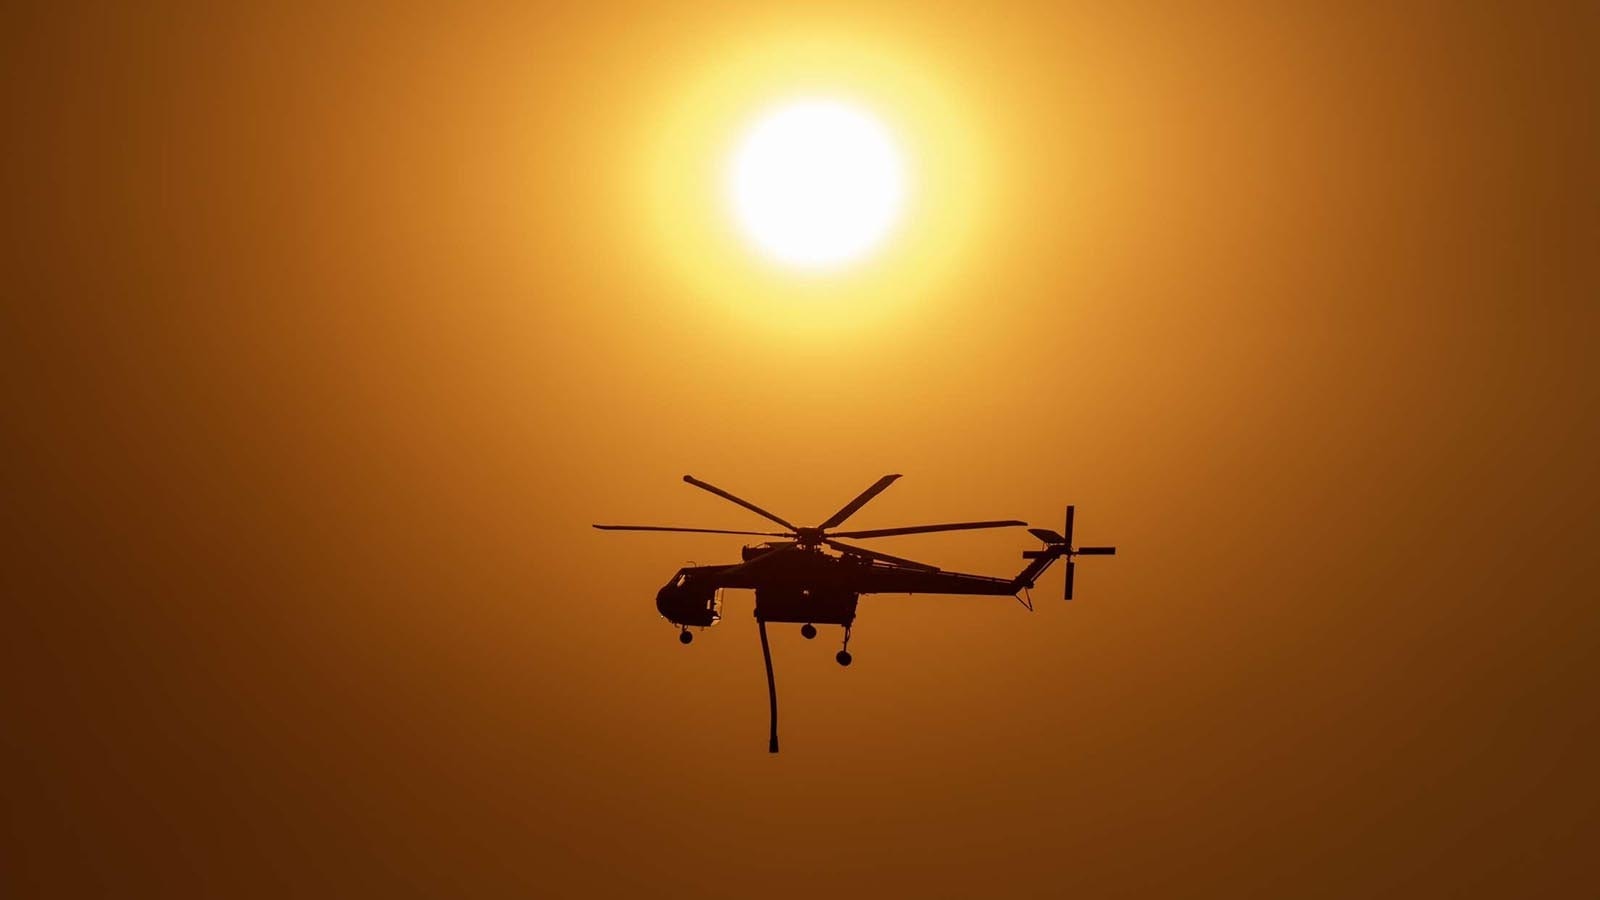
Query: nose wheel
[[684, 637], [808, 631]]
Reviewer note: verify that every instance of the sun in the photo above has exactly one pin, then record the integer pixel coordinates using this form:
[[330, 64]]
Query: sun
[[816, 184], [807, 180]]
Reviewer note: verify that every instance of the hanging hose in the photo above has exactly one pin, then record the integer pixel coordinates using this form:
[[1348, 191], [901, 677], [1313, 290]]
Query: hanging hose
[[772, 686]]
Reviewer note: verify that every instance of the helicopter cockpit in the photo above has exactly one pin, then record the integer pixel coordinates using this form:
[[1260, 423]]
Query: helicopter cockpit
[[687, 605]]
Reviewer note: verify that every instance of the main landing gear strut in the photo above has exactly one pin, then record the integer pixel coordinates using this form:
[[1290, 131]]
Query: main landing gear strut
[[809, 631]]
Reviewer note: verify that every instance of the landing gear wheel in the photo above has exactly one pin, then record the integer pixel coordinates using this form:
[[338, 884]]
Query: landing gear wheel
[[808, 631], [684, 637], [843, 657]]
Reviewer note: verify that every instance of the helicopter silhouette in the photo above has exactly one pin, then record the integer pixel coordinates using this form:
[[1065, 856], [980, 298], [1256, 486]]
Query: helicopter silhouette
[[796, 581]]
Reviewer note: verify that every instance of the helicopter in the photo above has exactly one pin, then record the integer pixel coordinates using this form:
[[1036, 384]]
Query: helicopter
[[796, 581]]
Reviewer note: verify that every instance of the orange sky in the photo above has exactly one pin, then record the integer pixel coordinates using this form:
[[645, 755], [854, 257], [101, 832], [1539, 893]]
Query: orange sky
[[336, 327]]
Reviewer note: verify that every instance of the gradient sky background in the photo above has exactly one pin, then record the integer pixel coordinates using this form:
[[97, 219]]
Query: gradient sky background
[[334, 327]]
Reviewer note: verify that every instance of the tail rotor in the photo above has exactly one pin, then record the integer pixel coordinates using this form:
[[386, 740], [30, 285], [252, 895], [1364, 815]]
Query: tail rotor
[[1060, 545]]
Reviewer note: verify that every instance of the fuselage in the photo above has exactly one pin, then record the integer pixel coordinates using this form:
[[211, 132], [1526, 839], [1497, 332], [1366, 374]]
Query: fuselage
[[797, 583]]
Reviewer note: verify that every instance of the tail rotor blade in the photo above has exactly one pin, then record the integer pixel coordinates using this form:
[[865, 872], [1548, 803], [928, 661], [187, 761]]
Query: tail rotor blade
[[1071, 513], [1072, 569], [1096, 551]]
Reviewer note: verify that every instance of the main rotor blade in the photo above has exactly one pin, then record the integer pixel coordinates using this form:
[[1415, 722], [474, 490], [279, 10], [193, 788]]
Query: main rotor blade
[[873, 554], [924, 529], [744, 503], [850, 508], [699, 530]]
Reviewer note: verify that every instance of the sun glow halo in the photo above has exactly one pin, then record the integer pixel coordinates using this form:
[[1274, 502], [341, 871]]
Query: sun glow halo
[[812, 182]]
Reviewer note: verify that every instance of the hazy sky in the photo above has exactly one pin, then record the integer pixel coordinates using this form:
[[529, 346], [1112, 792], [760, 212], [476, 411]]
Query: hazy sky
[[334, 327]]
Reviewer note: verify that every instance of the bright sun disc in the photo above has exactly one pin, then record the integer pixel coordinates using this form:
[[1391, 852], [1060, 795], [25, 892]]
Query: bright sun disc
[[816, 184]]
